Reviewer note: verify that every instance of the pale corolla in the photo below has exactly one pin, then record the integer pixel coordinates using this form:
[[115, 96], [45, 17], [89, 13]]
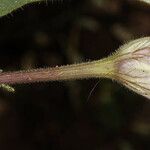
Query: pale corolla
[[132, 63]]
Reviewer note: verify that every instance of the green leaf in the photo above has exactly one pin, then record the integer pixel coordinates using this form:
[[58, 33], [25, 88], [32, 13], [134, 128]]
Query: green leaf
[[7, 6]]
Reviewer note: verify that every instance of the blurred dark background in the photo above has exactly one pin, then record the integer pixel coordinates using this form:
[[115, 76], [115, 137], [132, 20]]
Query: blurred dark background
[[64, 115]]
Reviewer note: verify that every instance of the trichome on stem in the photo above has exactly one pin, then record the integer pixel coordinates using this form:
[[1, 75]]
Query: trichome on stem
[[129, 65]]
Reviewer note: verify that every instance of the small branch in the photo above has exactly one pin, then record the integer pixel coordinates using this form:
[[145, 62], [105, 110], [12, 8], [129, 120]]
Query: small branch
[[93, 69]]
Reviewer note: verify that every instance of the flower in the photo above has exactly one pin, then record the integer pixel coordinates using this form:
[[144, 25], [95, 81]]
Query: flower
[[132, 63], [146, 1]]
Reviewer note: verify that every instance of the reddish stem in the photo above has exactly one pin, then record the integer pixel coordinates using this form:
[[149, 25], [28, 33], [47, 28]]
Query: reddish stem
[[76, 71]]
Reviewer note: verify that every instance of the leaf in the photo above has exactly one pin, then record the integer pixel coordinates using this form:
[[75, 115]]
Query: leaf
[[7, 6]]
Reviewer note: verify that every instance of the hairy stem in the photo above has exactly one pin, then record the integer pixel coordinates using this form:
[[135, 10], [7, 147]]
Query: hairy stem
[[101, 68]]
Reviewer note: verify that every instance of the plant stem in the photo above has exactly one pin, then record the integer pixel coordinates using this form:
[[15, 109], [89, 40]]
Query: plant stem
[[101, 68]]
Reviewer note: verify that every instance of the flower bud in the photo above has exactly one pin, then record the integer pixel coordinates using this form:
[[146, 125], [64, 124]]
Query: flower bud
[[132, 63]]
